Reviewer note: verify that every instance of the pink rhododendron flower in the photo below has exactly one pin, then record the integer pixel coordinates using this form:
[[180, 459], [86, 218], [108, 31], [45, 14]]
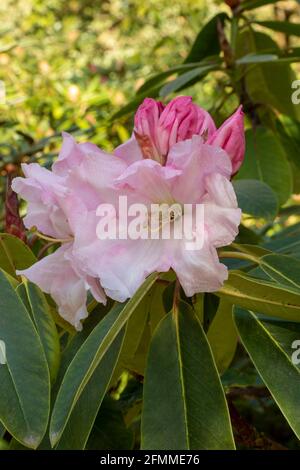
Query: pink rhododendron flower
[[158, 128], [175, 155], [195, 172], [57, 203]]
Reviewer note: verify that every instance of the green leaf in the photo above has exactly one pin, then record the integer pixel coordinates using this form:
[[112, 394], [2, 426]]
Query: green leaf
[[286, 27], [2, 430], [160, 77], [247, 235], [184, 79], [24, 380], [256, 198], [255, 250], [207, 42], [84, 374], [261, 296], [89, 357], [287, 241], [256, 59], [222, 336], [138, 331], [283, 269], [209, 309], [134, 330], [84, 413], [109, 431], [45, 326], [14, 254], [265, 160], [252, 4], [132, 105], [269, 344], [184, 402], [291, 144], [270, 83], [76, 341]]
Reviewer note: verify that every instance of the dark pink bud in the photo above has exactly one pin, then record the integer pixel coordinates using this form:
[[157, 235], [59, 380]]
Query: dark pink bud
[[158, 128], [231, 138]]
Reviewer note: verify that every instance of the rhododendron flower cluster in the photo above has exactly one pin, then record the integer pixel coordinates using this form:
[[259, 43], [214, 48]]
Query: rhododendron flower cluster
[[175, 155]]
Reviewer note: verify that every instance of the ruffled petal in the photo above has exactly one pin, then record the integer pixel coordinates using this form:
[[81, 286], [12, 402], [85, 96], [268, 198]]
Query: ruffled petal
[[199, 270], [72, 154], [128, 263], [44, 191], [221, 213], [196, 160], [150, 180], [56, 276], [129, 152]]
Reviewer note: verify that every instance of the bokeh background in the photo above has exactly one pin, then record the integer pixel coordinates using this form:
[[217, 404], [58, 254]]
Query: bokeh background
[[71, 64]]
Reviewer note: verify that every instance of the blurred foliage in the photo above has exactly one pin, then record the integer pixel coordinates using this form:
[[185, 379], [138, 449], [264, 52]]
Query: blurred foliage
[[68, 65]]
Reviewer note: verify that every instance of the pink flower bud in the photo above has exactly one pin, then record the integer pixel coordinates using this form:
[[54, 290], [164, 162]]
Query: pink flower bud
[[158, 128], [145, 127], [180, 120], [231, 138]]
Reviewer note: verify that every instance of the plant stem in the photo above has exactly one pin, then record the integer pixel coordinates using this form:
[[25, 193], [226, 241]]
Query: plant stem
[[176, 297], [239, 255]]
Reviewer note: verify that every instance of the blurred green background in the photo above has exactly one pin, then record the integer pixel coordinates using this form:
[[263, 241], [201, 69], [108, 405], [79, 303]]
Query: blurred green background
[[70, 64]]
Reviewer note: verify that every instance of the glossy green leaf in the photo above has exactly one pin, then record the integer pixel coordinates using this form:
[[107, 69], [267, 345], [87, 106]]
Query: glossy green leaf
[[265, 160], [247, 235], [159, 78], [256, 59], [81, 372], [14, 254], [254, 250], [256, 198], [269, 344], [109, 431], [207, 42], [2, 430], [132, 105], [89, 357], [74, 344], [184, 403], [286, 241], [286, 27], [291, 145], [210, 307], [283, 269], [267, 84], [84, 413], [45, 325], [24, 380], [252, 4], [261, 296], [138, 330], [222, 336], [184, 79]]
